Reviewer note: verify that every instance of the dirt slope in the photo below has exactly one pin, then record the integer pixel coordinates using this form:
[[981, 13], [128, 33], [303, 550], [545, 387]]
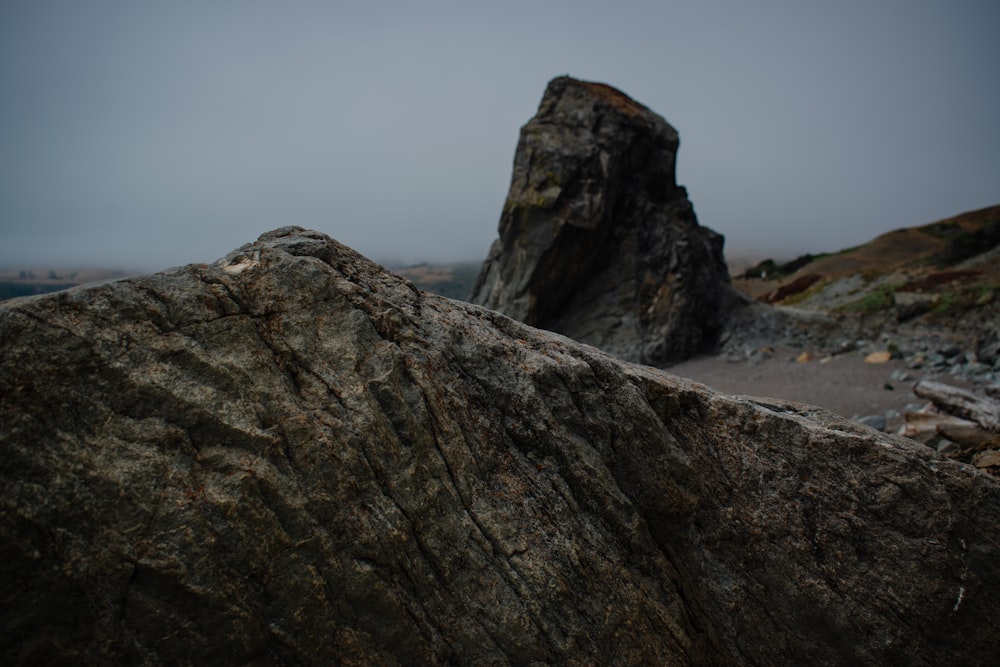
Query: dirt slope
[[951, 262]]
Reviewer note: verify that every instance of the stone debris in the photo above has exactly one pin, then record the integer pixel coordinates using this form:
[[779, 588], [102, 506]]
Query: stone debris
[[958, 423], [879, 357]]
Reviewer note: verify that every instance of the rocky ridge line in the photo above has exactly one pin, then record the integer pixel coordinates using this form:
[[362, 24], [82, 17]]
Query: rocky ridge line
[[294, 457]]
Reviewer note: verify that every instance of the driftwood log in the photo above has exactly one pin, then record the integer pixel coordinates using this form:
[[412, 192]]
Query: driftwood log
[[931, 420], [962, 403]]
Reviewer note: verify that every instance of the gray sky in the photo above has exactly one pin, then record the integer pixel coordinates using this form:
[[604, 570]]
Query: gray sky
[[150, 134]]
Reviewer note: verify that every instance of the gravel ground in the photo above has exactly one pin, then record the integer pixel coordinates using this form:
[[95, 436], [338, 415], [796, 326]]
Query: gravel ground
[[761, 346], [843, 384]]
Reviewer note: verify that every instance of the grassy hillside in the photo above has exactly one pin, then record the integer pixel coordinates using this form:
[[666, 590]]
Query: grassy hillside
[[948, 265]]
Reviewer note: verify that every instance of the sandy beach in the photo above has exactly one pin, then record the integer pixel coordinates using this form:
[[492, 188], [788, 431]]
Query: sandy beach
[[843, 384]]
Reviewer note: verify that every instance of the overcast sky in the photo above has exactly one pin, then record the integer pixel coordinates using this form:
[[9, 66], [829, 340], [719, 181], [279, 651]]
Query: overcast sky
[[151, 134]]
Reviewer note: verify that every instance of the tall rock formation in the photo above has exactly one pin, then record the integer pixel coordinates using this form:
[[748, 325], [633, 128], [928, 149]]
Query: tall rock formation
[[293, 457], [597, 240]]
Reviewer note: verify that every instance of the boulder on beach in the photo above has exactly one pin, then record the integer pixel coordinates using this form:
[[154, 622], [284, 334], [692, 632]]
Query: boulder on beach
[[294, 457]]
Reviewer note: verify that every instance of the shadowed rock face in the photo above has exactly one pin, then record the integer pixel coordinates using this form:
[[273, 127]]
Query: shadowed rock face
[[597, 241], [294, 457]]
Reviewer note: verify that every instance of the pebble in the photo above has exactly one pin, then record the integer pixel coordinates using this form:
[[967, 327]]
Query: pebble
[[952, 351], [923, 352]]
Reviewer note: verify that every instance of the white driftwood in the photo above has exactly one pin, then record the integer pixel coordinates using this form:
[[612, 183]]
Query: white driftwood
[[962, 403], [969, 437], [919, 423]]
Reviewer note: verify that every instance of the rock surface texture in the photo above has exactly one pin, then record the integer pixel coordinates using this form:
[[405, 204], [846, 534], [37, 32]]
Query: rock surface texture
[[597, 240], [294, 457]]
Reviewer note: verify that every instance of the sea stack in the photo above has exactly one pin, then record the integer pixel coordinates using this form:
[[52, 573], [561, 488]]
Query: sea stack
[[597, 240]]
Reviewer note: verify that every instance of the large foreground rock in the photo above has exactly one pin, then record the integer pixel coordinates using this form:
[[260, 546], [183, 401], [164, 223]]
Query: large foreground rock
[[294, 457], [597, 240]]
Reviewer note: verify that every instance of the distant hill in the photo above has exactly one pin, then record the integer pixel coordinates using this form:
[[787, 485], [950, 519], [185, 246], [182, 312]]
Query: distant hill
[[27, 282], [948, 265], [454, 281]]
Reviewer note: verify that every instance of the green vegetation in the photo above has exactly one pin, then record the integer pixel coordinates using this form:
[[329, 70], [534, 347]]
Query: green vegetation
[[942, 230], [773, 271], [963, 245], [957, 301], [948, 302], [806, 294], [765, 269], [877, 300], [985, 293]]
